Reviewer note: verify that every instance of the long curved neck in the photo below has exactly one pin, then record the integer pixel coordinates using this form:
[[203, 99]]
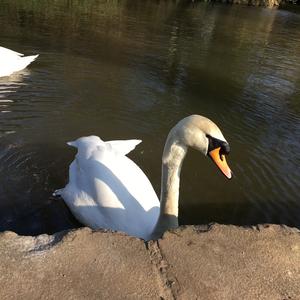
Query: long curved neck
[[173, 156]]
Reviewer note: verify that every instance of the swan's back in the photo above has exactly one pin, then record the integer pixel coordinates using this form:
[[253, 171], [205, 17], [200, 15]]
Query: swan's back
[[108, 190], [11, 61]]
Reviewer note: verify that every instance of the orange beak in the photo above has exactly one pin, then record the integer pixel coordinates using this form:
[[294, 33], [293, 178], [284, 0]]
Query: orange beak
[[220, 161]]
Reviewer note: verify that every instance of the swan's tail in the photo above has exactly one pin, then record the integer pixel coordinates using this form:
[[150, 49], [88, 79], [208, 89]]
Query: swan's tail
[[28, 60]]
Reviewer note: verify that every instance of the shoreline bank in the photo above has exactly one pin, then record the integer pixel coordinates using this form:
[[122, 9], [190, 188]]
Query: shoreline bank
[[191, 262]]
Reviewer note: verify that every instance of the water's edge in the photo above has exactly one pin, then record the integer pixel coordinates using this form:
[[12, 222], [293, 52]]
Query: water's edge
[[263, 3]]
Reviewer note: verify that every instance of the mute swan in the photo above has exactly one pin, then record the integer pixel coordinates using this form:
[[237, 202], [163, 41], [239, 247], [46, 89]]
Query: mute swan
[[108, 190], [11, 61]]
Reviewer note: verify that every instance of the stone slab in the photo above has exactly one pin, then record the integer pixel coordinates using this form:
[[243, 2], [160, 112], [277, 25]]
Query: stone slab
[[79, 265], [213, 263], [230, 262]]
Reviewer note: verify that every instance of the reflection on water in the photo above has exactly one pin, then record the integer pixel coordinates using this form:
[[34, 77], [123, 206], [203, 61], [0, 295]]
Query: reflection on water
[[132, 69], [9, 85]]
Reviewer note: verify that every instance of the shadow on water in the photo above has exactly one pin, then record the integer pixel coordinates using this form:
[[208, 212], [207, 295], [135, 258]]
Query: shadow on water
[[27, 206], [246, 215]]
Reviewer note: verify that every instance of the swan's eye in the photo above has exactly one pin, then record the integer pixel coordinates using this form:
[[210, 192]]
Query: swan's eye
[[225, 148], [214, 143]]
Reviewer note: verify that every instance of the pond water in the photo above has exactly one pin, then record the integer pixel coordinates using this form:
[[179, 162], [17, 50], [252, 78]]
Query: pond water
[[132, 69]]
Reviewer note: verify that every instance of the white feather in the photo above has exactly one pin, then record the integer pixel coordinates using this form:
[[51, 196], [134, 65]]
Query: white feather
[[11, 61], [106, 189]]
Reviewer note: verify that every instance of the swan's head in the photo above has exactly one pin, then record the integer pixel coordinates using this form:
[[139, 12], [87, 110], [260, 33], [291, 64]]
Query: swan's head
[[205, 136]]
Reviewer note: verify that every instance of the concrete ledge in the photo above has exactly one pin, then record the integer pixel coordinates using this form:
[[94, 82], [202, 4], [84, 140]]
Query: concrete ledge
[[192, 262]]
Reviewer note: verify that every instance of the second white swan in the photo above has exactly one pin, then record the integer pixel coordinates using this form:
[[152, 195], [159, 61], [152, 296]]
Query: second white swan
[[11, 61], [108, 190]]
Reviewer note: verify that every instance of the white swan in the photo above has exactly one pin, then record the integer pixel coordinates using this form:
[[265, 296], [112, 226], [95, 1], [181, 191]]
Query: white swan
[[108, 190], [11, 61]]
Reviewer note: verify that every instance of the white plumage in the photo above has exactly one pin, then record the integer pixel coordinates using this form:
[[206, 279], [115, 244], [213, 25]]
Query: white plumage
[[108, 190], [11, 61]]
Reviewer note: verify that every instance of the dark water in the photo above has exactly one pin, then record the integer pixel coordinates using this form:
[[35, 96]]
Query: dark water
[[132, 69]]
